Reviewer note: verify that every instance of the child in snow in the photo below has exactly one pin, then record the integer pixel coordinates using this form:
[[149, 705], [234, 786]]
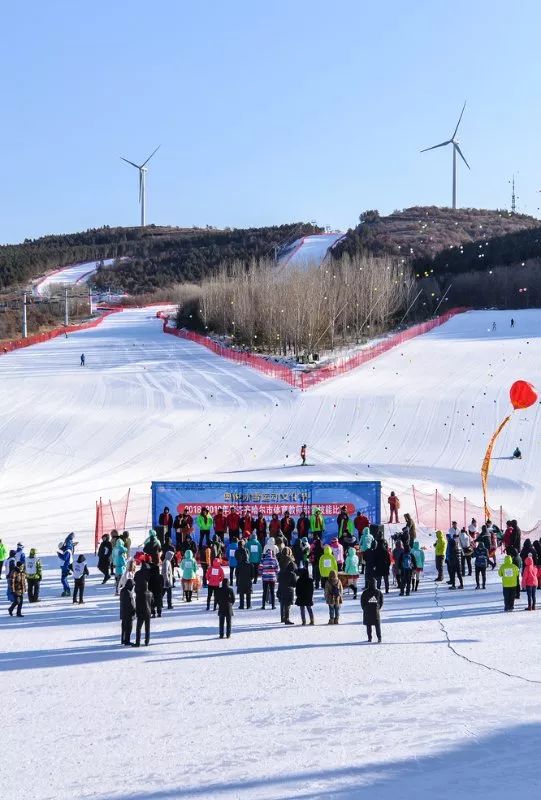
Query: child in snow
[[33, 576], [80, 571], [304, 595], [352, 570], [419, 557], [127, 611], [509, 573], [371, 602], [226, 600], [529, 582], [333, 597]]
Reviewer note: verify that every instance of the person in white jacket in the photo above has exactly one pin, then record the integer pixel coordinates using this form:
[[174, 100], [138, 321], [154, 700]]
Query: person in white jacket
[[129, 572], [167, 575]]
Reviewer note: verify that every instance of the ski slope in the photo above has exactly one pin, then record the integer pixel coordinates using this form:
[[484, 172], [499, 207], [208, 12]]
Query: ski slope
[[310, 250], [71, 275], [274, 712]]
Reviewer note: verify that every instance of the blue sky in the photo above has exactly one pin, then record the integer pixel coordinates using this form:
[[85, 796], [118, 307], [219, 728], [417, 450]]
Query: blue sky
[[266, 113]]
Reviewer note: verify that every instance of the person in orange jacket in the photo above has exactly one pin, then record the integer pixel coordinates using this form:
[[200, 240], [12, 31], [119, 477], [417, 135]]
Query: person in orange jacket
[[394, 505]]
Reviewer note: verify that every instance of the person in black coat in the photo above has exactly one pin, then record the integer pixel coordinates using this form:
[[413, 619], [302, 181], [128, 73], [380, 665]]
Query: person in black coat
[[127, 611], [226, 599], [244, 584], [454, 561], [155, 586], [371, 602], [382, 564], [105, 551], [143, 602], [369, 560], [287, 579], [304, 595], [241, 554]]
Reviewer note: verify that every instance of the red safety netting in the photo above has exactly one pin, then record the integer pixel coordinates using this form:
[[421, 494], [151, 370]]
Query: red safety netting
[[7, 347], [304, 380], [110, 515], [437, 510]]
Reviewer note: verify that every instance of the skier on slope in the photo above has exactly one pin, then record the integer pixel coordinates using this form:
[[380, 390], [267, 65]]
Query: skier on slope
[[82, 360], [303, 455]]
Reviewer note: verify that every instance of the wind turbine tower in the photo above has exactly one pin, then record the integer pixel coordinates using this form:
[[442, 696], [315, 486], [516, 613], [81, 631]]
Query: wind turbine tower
[[456, 149], [142, 183]]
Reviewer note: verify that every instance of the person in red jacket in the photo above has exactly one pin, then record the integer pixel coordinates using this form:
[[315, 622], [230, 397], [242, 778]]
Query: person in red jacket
[[215, 576], [508, 535], [274, 526], [303, 525], [394, 505], [233, 524], [220, 524], [361, 522], [246, 524], [261, 528], [165, 523], [287, 526]]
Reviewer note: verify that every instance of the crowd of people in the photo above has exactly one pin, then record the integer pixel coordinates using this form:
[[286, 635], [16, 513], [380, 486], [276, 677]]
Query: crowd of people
[[293, 559]]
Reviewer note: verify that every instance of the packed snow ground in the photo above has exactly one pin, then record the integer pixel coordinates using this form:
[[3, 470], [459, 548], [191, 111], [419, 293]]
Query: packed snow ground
[[310, 250], [74, 274], [274, 712]]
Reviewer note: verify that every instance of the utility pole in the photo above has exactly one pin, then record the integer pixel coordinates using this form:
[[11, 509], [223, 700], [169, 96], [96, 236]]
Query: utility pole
[[513, 197], [66, 309], [24, 325]]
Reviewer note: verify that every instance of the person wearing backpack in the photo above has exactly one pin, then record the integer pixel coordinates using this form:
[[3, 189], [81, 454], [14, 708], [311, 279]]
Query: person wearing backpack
[[371, 603], [481, 564], [406, 566], [304, 595], [33, 575], [80, 571], [333, 597]]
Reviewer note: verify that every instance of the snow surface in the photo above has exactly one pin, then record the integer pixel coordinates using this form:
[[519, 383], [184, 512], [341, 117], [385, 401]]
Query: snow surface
[[76, 273], [310, 250], [274, 712]]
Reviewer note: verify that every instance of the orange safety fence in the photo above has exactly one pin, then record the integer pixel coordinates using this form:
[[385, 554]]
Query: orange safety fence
[[304, 380], [436, 510], [110, 515], [37, 338]]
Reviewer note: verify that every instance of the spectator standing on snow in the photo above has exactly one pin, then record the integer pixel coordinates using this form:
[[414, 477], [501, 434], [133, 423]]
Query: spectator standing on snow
[[360, 522], [65, 556], [365, 544], [338, 552], [120, 559], [333, 597], [419, 557], [327, 563], [382, 564], [394, 505], [244, 583], [232, 558], [268, 570], [167, 578], [34, 575], [183, 526], [406, 565], [351, 569], [205, 560], [18, 589], [304, 595], [20, 555], [317, 523], [3, 554], [481, 562], [316, 551], [105, 552], [143, 610], [398, 551], [226, 601], [529, 582], [303, 526], [509, 573], [261, 528], [80, 571], [440, 546], [287, 580], [518, 564], [215, 577], [371, 603], [455, 561], [188, 567], [287, 526], [254, 554], [204, 523], [165, 524], [220, 524], [127, 612], [467, 550], [472, 528]]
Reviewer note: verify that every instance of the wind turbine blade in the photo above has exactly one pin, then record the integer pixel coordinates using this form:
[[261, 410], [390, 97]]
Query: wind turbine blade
[[130, 162], [150, 156], [442, 144], [458, 123], [455, 145]]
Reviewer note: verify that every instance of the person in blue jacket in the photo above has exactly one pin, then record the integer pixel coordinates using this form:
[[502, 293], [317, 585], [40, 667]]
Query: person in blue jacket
[[254, 554], [231, 557], [65, 555], [419, 565]]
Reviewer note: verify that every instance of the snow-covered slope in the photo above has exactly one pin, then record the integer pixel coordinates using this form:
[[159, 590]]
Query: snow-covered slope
[[420, 414], [76, 273], [310, 250], [274, 712]]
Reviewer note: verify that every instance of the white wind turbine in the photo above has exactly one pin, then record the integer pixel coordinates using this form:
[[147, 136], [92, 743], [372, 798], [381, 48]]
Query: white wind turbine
[[456, 148], [142, 180]]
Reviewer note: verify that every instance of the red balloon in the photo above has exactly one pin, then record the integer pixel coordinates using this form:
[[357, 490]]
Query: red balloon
[[522, 395]]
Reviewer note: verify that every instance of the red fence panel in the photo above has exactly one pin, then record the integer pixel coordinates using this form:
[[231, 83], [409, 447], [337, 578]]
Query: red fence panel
[[110, 515]]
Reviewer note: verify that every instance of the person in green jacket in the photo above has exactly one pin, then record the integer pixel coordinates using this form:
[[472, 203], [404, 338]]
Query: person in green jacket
[[34, 575], [419, 564], [254, 554], [440, 546], [327, 563], [317, 522], [352, 570], [204, 523], [3, 555], [509, 573], [188, 565]]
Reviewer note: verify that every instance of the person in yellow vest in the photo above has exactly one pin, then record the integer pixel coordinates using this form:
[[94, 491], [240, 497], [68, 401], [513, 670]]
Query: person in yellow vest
[[327, 563]]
